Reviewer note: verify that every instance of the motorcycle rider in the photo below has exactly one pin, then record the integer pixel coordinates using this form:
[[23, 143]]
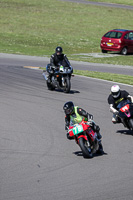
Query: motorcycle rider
[[117, 95], [77, 114], [58, 58]]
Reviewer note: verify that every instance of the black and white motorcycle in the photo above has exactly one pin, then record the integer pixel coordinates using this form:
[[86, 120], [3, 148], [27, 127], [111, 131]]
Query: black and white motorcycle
[[60, 78]]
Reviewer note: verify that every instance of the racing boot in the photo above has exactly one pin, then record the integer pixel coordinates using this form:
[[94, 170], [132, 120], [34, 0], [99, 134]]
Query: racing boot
[[97, 129], [99, 135], [100, 149]]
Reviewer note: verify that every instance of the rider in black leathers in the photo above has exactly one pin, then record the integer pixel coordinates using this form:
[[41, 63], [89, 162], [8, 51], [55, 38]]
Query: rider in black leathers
[[117, 95], [57, 59]]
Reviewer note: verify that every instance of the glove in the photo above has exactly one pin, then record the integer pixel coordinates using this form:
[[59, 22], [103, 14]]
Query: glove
[[90, 123], [131, 99], [90, 117], [53, 67], [51, 71], [66, 127]]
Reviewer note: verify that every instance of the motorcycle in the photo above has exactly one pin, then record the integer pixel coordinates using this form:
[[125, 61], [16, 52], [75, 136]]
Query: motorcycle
[[86, 138], [60, 78], [125, 109]]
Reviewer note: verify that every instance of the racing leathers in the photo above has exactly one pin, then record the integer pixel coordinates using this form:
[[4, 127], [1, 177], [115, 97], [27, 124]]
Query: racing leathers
[[113, 102], [77, 116]]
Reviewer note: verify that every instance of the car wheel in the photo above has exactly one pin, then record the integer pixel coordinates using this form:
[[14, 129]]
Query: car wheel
[[104, 51], [124, 51]]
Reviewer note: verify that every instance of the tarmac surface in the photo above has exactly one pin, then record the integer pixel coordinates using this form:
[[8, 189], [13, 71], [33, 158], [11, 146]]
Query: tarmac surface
[[113, 5], [37, 160], [34, 61]]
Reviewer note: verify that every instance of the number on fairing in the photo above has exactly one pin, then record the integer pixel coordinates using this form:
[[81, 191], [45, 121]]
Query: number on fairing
[[77, 129], [125, 108]]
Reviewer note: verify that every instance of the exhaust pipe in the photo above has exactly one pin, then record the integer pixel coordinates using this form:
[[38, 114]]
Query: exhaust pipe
[[45, 77]]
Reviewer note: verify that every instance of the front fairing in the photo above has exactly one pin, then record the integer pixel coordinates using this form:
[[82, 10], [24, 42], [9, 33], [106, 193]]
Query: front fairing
[[123, 103], [125, 109], [60, 74], [91, 134], [75, 129], [64, 71]]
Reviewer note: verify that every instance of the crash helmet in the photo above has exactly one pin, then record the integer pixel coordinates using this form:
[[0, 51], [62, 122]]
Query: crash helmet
[[58, 50], [68, 108], [115, 91]]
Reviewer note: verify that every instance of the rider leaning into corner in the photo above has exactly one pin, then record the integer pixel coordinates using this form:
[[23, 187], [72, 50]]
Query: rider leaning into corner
[[117, 95], [77, 114], [57, 59]]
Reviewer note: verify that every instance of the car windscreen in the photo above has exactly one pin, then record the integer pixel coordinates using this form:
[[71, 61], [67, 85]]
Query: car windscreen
[[113, 34]]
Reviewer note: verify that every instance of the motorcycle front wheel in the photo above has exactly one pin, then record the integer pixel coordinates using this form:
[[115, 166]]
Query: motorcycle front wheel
[[67, 84], [87, 153], [131, 124], [50, 86]]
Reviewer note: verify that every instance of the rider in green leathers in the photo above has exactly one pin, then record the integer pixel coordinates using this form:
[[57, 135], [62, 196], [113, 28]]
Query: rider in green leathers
[[75, 114]]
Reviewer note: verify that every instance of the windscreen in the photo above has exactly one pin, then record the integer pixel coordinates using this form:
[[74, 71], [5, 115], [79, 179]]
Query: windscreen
[[113, 34]]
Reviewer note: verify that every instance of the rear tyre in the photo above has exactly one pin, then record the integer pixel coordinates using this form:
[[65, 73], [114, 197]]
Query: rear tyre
[[131, 124], [87, 153], [104, 51], [124, 51], [67, 85]]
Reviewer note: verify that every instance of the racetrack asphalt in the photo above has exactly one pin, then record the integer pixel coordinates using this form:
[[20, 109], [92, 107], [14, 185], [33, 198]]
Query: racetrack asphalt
[[37, 161], [34, 61], [101, 4]]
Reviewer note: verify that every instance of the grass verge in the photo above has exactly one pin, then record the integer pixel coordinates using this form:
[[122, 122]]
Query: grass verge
[[126, 79], [36, 27]]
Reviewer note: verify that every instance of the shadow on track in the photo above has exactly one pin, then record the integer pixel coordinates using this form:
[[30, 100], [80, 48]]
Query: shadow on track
[[79, 153], [71, 91], [126, 132]]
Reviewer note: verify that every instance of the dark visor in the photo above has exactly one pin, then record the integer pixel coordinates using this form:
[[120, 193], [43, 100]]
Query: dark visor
[[115, 93]]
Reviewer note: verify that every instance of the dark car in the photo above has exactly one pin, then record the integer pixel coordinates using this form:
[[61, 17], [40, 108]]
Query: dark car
[[120, 40]]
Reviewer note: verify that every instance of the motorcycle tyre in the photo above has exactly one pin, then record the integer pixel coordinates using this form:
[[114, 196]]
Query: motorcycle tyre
[[50, 87], [86, 153], [68, 85], [131, 124]]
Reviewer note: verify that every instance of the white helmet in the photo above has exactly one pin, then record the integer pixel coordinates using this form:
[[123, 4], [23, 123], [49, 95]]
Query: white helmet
[[115, 91]]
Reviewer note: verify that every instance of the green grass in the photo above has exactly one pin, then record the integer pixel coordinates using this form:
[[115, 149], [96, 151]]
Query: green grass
[[126, 79], [36, 27]]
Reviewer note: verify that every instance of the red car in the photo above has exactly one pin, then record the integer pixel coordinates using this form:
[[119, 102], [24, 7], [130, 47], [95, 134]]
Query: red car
[[119, 40]]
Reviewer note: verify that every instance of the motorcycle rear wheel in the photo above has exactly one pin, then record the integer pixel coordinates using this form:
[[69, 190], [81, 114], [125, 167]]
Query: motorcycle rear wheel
[[131, 124], [67, 85], [87, 153]]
